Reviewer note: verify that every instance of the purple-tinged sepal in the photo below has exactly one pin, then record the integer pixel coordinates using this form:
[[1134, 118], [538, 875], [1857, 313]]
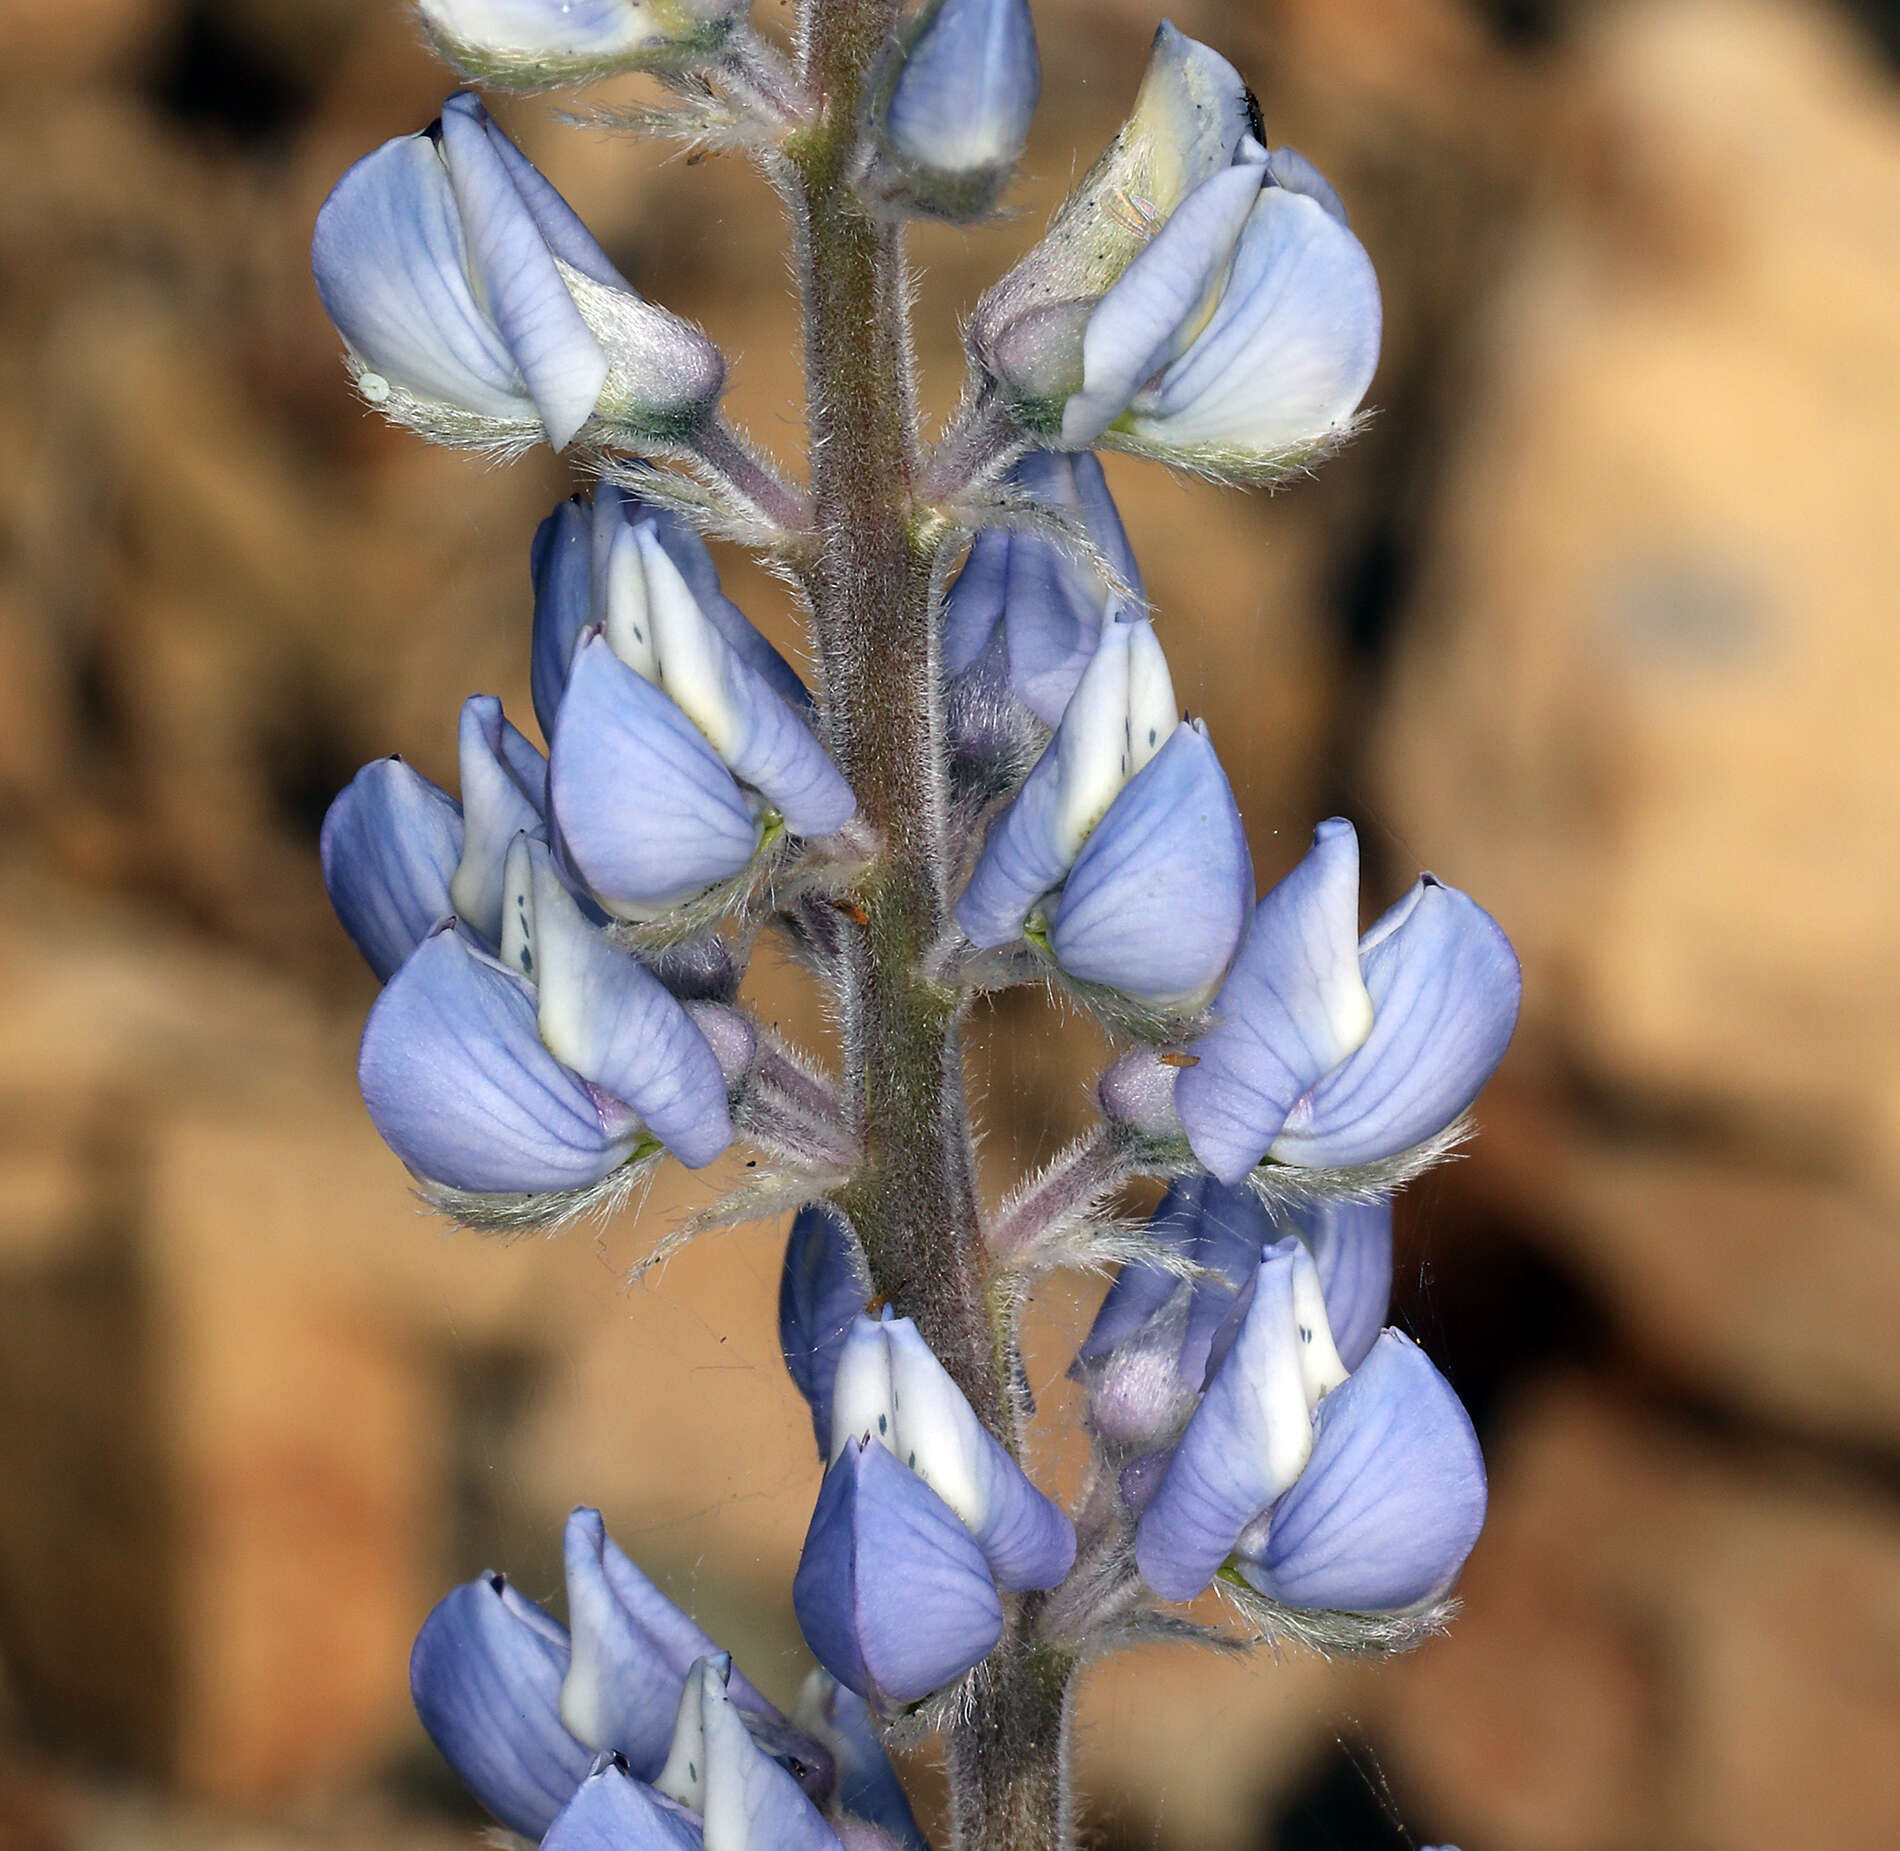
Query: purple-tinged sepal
[[486, 1675], [869, 1792], [890, 1390], [1049, 605], [546, 44], [613, 1811], [478, 310], [1190, 120], [1390, 1502], [391, 843], [955, 105], [822, 1293], [892, 1593], [1330, 1054]]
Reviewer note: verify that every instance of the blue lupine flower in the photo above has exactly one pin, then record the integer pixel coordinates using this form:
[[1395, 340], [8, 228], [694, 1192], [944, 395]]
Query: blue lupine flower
[[391, 844], [521, 1710], [822, 1293], [966, 90], [1049, 607], [1189, 122], [572, 564], [1123, 850], [537, 44], [543, 1069], [504, 795], [1244, 336], [921, 1517], [868, 1787], [1159, 1335], [478, 309], [658, 701], [612, 1811], [1330, 1053], [1358, 1493]]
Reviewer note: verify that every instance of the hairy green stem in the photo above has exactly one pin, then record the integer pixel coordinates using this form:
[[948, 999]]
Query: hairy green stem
[[870, 578]]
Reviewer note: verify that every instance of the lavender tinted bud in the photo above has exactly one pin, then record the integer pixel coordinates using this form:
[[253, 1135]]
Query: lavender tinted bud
[[478, 309], [960, 100], [539, 44]]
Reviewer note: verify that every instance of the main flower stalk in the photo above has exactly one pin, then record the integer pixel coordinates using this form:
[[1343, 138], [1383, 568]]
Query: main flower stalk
[[877, 624]]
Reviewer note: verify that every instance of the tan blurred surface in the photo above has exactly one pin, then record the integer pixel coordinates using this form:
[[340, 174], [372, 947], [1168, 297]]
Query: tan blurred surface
[[1597, 622]]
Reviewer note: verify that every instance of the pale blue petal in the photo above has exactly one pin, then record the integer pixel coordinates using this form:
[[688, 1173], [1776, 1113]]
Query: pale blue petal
[[822, 1292], [1229, 1468], [561, 568], [1352, 1247], [504, 794], [774, 750], [752, 1803], [612, 1811], [967, 92], [892, 1593], [1139, 324], [1392, 1499], [457, 1080], [1157, 901], [1445, 988], [390, 846], [1293, 1007], [486, 1677], [391, 264], [649, 813], [973, 606], [1023, 859], [1289, 168], [558, 223], [1292, 347], [564, 366]]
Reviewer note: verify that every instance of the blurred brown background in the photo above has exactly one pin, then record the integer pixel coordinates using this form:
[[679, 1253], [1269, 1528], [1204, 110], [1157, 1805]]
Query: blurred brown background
[[1597, 622]]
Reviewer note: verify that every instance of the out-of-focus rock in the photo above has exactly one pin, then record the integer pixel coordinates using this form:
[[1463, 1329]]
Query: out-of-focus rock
[[1663, 1642], [1646, 707]]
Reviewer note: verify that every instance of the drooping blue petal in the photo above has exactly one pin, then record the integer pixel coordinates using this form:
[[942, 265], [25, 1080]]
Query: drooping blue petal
[[868, 1787], [457, 1080], [613, 1811], [486, 1678], [560, 564], [1292, 1009], [822, 1292], [1251, 1435], [1292, 347], [892, 1593], [390, 845], [967, 92], [1445, 988], [1154, 307], [649, 813], [504, 794], [603, 1015], [752, 1803], [1157, 901], [632, 1649], [1352, 1247], [1392, 1499], [390, 260], [514, 221]]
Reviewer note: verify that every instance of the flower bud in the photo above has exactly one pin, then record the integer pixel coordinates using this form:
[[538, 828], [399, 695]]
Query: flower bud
[[540, 44], [1331, 1054], [822, 1293], [391, 844], [961, 99], [478, 310], [1123, 852]]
